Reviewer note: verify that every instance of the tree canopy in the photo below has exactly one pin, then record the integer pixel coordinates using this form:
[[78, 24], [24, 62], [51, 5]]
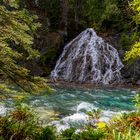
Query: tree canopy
[[135, 50], [16, 37]]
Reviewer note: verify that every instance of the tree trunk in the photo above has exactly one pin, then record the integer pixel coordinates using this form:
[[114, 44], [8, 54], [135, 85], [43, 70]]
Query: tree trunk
[[64, 17], [78, 11]]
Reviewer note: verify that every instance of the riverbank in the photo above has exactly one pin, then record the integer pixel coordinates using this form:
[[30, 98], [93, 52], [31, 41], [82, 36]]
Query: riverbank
[[68, 105], [59, 83]]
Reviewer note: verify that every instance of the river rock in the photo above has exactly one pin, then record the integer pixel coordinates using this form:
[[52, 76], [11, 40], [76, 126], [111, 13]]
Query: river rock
[[88, 58]]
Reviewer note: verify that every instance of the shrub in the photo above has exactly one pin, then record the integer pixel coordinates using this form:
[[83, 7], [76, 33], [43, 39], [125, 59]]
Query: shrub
[[47, 133], [89, 134], [22, 123], [68, 133], [124, 127]]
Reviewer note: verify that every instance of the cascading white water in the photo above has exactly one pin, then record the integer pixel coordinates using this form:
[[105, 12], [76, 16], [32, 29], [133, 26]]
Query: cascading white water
[[88, 58]]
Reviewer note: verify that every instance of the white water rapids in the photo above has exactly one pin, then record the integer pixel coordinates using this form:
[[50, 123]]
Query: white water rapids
[[88, 58], [68, 107]]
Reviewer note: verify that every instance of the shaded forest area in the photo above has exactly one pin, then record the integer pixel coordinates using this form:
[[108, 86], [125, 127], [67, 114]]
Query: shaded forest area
[[63, 20]]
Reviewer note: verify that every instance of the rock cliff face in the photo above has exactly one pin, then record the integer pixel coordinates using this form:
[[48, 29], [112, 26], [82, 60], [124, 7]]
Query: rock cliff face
[[88, 58], [49, 45]]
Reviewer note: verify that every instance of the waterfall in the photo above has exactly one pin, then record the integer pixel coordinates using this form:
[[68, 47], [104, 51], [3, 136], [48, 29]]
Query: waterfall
[[88, 58]]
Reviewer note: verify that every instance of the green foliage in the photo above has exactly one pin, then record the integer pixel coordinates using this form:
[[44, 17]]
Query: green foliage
[[124, 41], [136, 7], [135, 49], [68, 133], [51, 9], [100, 14], [16, 37], [47, 133], [22, 124], [129, 135], [95, 114], [137, 101], [84, 14], [94, 117], [124, 127], [89, 134], [127, 40], [94, 130], [51, 52], [134, 52]]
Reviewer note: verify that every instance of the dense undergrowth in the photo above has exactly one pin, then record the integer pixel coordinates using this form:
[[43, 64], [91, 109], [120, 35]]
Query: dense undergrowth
[[23, 124]]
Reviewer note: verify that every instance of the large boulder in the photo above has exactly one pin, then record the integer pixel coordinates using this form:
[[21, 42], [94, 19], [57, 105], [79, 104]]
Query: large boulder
[[88, 58]]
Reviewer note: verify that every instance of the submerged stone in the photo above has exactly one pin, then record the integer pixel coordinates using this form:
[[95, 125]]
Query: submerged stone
[[88, 58]]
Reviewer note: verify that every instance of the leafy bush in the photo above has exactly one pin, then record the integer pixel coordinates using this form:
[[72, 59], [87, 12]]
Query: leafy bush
[[22, 124], [68, 133], [137, 101], [86, 134], [47, 133], [124, 127], [124, 41], [89, 134], [134, 52]]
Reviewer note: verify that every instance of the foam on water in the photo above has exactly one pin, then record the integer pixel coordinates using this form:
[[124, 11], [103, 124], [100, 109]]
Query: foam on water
[[78, 119], [2, 110], [74, 120], [85, 106], [70, 105]]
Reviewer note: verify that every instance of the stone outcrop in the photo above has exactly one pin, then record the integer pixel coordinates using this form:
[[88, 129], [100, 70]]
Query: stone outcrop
[[88, 58]]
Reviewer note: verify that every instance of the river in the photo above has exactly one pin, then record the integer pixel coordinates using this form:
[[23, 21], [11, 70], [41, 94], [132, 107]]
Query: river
[[70, 104]]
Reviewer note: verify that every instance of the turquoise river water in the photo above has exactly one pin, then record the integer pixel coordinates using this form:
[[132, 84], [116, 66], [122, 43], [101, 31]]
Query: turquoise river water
[[70, 104]]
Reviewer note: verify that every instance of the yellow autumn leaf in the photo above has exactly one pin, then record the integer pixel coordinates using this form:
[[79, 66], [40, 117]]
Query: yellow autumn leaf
[[101, 125]]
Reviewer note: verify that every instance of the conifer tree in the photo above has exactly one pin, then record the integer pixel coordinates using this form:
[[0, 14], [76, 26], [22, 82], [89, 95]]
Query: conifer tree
[[16, 37]]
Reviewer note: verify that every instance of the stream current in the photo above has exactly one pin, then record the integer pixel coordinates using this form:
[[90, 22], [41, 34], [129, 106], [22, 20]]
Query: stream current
[[70, 104]]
